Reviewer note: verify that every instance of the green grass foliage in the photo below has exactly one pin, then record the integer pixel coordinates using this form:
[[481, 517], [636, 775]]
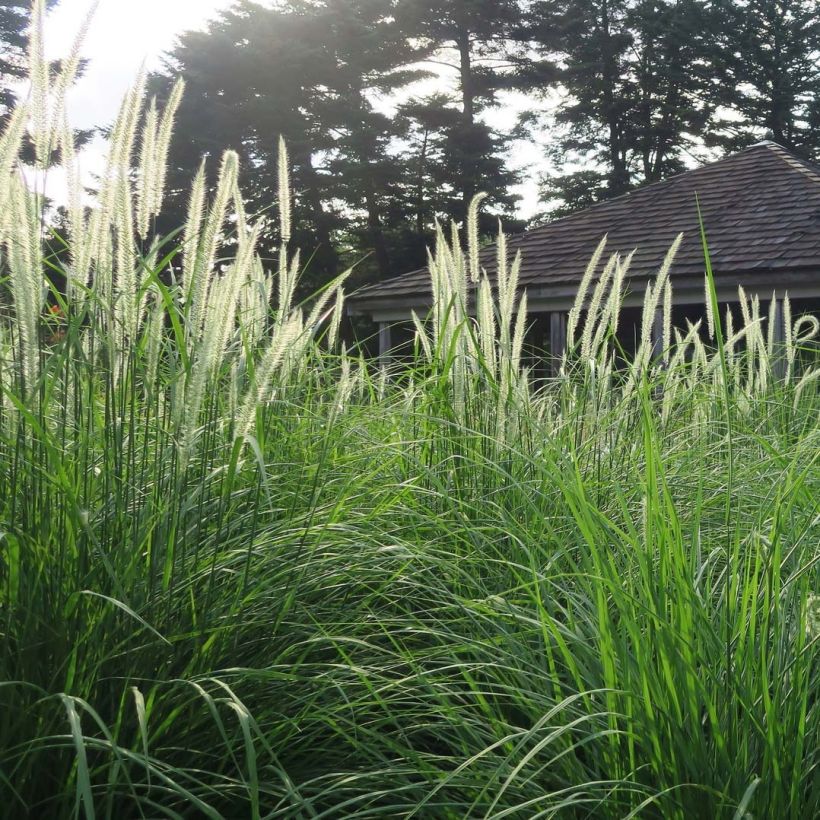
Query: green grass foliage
[[244, 573]]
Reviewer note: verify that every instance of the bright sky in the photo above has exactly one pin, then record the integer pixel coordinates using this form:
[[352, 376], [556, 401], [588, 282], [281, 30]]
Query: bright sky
[[123, 34], [126, 33]]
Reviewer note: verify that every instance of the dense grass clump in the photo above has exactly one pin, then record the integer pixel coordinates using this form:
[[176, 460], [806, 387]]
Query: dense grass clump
[[245, 574]]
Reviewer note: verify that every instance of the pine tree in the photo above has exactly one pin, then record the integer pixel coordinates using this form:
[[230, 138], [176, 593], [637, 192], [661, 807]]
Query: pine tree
[[427, 192], [370, 58], [767, 68], [14, 22], [253, 75], [637, 90], [311, 72], [482, 43]]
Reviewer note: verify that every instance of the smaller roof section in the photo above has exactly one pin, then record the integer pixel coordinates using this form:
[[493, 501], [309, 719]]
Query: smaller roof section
[[761, 211]]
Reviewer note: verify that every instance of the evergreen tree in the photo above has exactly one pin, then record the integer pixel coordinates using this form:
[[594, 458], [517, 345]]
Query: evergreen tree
[[369, 58], [486, 47], [15, 16], [308, 71], [637, 90], [427, 193], [253, 75], [767, 68]]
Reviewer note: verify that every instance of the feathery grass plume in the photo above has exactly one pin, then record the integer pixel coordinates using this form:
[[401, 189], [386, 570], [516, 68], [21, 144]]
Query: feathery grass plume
[[501, 264], [165, 131], [514, 365], [381, 383], [78, 244], [438, 287], [255, 303], [771, 326], [647, 320], [336, 319], [789, 338], [124, 134], [667, 319], [812, 323], [461, 262], [224, 297], [509, 373], [25, 259], [288, 271], [239, 212], [750, 336], [506, 308], [808, 378], [219, 324], [38, 75], [710, 318], [115, 213], [421, 335], [608, 322], [146, 171], [798, 335], [11, 142], [266, 289], [192, 232], [652, 298], [506, 287], [211, 238], [672, 382], [127, 315], [592, 317], [472, 235], [666, 267], [731, 338], [443, 253], [284, 198], [287, 279], [700, 358], [330, 292], [344, 386], [729, 345], [744, 305], [259, 392], [583, 287], [70, 65], [682, 344], [154, 330], [100, 258], [763, 366], [486, 323]]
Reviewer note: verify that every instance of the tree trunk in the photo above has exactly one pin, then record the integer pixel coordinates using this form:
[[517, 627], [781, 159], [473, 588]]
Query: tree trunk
[[468, 186], [618, 175], [325, 257], [466, 75], [374, 227], [420, 185]]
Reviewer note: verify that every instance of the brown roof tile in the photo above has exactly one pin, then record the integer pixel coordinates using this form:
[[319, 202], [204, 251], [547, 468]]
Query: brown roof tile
[[761, 210]]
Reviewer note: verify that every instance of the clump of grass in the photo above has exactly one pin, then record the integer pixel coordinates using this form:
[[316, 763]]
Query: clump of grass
[[244, 574]]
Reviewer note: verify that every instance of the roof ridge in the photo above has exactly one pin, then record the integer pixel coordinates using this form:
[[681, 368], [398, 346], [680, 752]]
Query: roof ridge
[[798, 163], [768, 144]]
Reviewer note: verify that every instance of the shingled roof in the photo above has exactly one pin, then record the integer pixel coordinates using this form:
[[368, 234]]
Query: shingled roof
[[761, 209]]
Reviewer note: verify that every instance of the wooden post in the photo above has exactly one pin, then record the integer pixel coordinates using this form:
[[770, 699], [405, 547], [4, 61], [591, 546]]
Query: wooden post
[[779, 353], [558, 340], [385, 345]]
